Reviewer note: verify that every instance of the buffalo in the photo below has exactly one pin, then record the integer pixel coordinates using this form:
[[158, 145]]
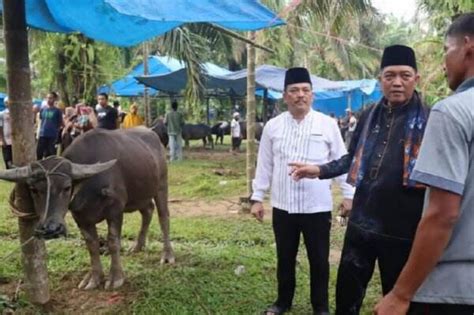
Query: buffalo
[[100, 176], [160, 129], [196, 132], [223, 128]]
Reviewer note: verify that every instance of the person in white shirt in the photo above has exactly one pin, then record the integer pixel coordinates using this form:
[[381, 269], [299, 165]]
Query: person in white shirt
[[6, 135], [299, 207], [351, 126], [235, 132]]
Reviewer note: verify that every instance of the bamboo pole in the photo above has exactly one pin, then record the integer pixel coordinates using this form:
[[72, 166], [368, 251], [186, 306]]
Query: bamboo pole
[[251, 109], [146, 98], [19, 92]]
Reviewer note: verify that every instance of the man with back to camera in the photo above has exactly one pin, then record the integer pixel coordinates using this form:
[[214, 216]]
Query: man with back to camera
[[304, 207], [174, 122], [387, 204]]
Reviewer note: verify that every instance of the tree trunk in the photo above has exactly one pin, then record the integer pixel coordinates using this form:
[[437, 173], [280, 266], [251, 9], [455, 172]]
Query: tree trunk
[[19, 91], [251, 145], [146, 99]]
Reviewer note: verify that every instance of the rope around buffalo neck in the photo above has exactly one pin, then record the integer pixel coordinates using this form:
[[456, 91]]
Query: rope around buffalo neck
[[47, 174], [31, 216]]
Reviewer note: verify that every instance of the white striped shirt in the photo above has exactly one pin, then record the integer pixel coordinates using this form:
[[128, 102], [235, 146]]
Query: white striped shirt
[[315, 140]]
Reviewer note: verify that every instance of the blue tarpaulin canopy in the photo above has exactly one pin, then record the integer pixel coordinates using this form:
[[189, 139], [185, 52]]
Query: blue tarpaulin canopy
[[352, 93], [266, 77], [2, 98], [127, 23], [355, 94], [157, 65], [128, 85]]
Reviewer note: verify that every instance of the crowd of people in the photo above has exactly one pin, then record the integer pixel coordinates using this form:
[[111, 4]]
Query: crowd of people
[[56, 126]]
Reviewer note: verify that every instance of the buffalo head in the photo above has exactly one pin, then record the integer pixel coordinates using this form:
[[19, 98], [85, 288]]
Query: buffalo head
[[50, 183]]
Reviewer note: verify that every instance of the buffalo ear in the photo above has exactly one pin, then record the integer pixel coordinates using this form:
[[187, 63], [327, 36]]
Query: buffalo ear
[[16, 174], [83, 171]]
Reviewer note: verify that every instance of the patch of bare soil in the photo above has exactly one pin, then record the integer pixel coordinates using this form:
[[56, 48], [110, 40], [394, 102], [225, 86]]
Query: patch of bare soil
[[217, 154], [67, 299], [191, 208]]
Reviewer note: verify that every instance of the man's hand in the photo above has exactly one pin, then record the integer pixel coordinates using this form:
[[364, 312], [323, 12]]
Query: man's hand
[[302, 170], [345, 208], [258, 211], [392, 304]]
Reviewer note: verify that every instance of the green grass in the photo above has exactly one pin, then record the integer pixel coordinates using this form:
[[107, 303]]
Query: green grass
[[208, 250]]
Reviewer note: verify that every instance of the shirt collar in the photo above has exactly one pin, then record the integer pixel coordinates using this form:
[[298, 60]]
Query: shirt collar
[[467, 84]]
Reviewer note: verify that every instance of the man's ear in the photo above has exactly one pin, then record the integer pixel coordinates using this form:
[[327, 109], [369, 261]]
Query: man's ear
[[417, 77], [469, 45]]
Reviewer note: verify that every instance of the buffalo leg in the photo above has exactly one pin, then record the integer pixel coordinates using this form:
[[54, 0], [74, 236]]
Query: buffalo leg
[[161, 201], [114, 224], [147, 214], [95, 276], [211, 141]]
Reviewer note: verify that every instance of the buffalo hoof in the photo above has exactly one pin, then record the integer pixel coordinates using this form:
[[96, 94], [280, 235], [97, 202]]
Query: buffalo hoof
[[167, 258], [138, 247], [91, 281], [114, 283]]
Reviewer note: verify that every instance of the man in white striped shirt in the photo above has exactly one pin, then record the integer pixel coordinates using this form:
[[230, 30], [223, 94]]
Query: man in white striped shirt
[[299, 207]]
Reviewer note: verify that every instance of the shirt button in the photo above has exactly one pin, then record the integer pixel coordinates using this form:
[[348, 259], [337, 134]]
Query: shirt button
[[379, 155], [388, 125], [385, 142]]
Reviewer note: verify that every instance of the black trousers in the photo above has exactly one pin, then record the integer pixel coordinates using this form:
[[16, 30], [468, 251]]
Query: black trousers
[[315, 229], [45, 147], [236, 141], [7, 156], [440, 309], [360, 251]]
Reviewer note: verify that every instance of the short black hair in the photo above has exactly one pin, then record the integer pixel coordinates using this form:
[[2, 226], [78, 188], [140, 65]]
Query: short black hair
[[54, 94], [104, 95], [174, 105], [116, 103], [462, 25]]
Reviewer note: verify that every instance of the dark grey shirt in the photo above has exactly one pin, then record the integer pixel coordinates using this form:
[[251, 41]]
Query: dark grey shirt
[[446, 161]]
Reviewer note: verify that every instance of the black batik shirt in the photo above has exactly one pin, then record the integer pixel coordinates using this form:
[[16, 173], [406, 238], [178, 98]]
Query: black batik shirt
[[382, 205]]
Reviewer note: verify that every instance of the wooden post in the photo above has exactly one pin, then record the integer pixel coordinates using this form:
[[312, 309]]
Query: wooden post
[[146, 99], [349, 100], [207, 112], [251, 145], [265, 106], [19, 93]]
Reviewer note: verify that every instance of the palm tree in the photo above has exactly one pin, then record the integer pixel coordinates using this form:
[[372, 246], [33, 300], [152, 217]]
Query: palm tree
[[314, 37]]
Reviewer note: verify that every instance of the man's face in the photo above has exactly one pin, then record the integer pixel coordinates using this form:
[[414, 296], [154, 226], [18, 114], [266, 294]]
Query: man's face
[[456, 49], [298, 97], [50, 99], [102, 100], [398, 83]]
